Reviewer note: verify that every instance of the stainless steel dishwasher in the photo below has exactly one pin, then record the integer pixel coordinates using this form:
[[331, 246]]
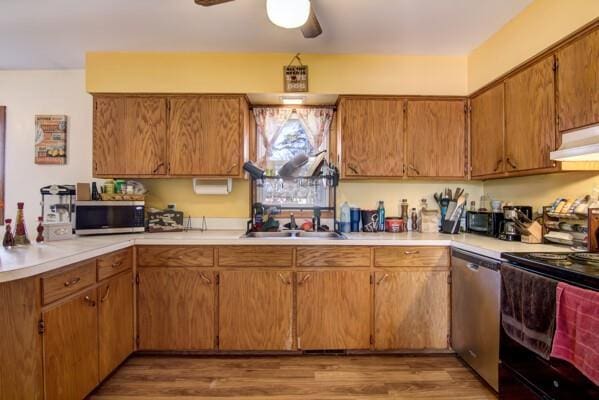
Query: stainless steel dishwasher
[[475, 313]]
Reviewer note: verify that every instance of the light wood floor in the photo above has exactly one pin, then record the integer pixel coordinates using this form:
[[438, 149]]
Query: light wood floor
[[293, 377]]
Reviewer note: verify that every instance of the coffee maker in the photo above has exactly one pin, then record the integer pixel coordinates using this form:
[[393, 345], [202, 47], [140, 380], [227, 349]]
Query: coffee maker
[[512, 215]]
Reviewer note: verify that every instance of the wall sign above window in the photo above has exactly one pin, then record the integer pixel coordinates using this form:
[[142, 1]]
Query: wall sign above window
[[295, 77]]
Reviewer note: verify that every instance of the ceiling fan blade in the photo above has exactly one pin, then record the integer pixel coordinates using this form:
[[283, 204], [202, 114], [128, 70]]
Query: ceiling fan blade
[[312, 27], [207, 3]]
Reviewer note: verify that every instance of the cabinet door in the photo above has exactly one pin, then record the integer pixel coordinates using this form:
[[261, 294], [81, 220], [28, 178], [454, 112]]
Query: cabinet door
[[372, 137], [578, 82], [71, 348], [21, 371], [255, 310], [145, 131], [530, 117], [109, 135], [333, 310], [486, 137], [436, 138], [411, 310], [175, 309], [206, 135], [115, 322]]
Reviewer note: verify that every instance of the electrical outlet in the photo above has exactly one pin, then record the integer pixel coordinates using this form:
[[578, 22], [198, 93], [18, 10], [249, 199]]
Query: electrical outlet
[[171, 206]]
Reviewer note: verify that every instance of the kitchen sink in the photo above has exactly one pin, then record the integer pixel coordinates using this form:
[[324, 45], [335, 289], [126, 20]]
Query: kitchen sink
[[295, 235]]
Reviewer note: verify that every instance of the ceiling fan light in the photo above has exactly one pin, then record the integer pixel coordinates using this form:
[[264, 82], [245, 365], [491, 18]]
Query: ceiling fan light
[[288, 14]]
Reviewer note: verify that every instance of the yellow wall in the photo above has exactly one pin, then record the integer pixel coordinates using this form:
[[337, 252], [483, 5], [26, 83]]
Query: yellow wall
[[537, 27], [263, 73], [541, 24], [539, 191]]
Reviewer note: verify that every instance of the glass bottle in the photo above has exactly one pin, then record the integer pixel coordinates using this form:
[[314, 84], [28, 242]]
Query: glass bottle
[[414, 217], [40, 231], [9, 239], [21, 238], [404, 209]]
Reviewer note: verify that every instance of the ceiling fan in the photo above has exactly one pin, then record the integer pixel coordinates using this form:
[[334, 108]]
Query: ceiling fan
[[288, 14]]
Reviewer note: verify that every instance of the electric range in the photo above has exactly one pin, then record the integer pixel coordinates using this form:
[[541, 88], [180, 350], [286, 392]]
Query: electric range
[[522, 373], [577, 268]]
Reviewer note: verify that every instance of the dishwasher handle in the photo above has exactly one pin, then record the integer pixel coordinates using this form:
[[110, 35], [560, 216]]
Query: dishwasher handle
[[472, 266]]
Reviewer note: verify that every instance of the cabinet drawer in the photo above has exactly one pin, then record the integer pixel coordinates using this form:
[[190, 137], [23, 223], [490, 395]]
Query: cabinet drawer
[[255, 256], [113, 263], [327, 256], [175, 256], [70, 280], [411, 257]]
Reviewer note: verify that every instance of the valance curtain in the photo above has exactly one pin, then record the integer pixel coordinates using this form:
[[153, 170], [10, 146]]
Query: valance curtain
[[271, 120]]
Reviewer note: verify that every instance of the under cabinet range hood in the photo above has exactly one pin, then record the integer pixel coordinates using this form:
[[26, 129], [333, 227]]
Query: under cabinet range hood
[[579, 146]]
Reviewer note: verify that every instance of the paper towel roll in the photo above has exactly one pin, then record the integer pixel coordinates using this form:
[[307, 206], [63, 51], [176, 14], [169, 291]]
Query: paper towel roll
[[219, 187]]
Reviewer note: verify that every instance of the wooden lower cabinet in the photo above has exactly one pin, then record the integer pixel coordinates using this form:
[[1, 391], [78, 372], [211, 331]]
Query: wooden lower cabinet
[[71, 348], [175, 309], [256, 310], [115, 322], [333, 309], [21, 374], [411, 309]]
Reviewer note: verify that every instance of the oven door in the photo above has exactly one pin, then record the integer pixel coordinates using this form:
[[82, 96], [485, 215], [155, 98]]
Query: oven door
[[97, 217]]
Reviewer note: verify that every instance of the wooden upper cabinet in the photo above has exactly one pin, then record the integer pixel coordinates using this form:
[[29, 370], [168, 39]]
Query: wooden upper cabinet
[[256, 310], [175, 309], [436, 138], [530, 117], [333, 310], [145, 132], [206, 135], [109, 136], [115, 322], [153, 135], [372, 137], [487, 132], [578, 82], [71, 348]]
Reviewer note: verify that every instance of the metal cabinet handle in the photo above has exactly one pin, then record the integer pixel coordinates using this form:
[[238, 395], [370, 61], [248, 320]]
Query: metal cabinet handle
[[511, 163], [117, 264], [232, 168], [410, 166], [205, 278], [89, 301], [158, 167], [103, 299], [410, 252], [382, 279], [353, 168], [72, 282], [499, 162], [305, 279], [286, 281]]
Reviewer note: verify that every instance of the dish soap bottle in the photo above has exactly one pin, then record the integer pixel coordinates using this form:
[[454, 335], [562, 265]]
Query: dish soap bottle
[[380, 212]]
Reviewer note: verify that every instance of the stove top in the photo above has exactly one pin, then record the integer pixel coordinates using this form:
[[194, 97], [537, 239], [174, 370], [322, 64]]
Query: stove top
[[575, 267]]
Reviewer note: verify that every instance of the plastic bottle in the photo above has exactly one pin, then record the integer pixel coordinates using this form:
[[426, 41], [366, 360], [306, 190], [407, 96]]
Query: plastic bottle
[[345, 219], [381, 216]]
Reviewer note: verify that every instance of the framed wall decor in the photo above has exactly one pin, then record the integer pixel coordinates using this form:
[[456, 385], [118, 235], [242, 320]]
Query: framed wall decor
[[51, 139]]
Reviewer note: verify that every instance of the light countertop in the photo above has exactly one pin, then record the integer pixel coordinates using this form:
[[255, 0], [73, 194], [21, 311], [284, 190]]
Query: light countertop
[[23, 262]]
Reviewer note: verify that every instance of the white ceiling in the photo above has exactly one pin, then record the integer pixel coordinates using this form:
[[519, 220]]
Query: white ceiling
[[57, 33]]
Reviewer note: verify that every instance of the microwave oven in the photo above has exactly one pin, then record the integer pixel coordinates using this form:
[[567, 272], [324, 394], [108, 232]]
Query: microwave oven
[[107, 217], [484, 222]]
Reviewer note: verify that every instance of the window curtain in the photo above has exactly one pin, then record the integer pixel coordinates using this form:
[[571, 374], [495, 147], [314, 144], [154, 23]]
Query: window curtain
[[270, 121]]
